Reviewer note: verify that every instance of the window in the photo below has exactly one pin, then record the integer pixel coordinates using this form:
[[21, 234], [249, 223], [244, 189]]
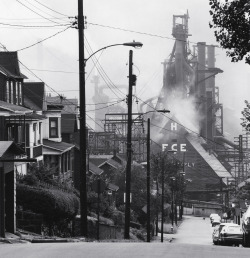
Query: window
[[53, 127], [40, 133], [20, 93], [7, 91], [34, 131], [16, 93], [11, 93]]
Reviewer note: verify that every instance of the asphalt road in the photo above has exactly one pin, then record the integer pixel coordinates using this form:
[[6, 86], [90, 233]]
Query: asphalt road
[[194, 230], [193, 240]]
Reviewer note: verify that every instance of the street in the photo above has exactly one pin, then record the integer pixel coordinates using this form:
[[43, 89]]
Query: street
[[194, 230], [192, 240]]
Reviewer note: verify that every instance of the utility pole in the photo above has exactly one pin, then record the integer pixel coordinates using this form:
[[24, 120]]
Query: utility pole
[[129, 148], [83, 140], [162, 198], [148, 182]]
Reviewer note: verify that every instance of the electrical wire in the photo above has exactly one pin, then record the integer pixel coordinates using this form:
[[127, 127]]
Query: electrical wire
[[40, 41], [36, 12], [102, 71], [51, 9], [106, 106], [33, 26], [148, 34]]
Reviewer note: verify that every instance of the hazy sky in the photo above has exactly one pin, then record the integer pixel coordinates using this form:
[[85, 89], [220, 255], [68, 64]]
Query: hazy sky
[[151, 23]]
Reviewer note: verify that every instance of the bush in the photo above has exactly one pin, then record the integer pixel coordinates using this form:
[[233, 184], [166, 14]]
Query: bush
[[52, 203]]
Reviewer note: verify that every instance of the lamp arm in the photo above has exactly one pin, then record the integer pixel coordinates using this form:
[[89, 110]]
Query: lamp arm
[[86, 59]]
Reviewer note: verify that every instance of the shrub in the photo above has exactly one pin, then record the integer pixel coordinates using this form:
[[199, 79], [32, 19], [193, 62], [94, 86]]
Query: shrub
[[52, 203]]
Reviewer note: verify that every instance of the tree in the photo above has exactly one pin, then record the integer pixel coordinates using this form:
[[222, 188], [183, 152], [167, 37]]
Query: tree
[[246, 116], [230, 21]]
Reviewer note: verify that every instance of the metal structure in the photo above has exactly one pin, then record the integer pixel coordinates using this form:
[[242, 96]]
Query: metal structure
[[188, 77]]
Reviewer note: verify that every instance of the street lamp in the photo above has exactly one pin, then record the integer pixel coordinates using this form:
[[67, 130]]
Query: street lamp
[[82, 98]]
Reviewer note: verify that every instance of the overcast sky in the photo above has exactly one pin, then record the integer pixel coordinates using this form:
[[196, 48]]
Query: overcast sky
[[55, 61]]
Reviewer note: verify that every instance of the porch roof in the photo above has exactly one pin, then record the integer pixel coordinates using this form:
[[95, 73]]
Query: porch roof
[[9, 145], [14, 109], [59, 146], [94, 169]]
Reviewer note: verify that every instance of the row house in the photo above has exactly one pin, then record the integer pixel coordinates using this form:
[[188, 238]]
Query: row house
[[30, 129], [12, 137], [57, 155]]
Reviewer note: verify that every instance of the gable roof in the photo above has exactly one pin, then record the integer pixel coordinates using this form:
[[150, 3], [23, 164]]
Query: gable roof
[[211, 160], [9, 146], [69, 105], [34, 95], [99, 159], [59, 146], [9, 64], [111, 162]]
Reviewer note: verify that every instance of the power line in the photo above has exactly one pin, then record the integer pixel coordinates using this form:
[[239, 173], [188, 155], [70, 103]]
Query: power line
[[40, 41], [103, 73], [51, 9], [147, 34], [33, 26], [36, 12]]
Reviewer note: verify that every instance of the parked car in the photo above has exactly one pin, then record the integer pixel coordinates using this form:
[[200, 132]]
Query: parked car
[[230, 234], [246, 228], [215, 217], [215, 234], [216, 222]]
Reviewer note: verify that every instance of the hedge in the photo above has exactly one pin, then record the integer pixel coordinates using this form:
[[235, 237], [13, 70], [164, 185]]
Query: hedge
[[52, 203]]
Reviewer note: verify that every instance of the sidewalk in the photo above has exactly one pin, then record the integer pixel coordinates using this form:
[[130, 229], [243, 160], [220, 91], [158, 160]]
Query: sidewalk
[[168, 232]]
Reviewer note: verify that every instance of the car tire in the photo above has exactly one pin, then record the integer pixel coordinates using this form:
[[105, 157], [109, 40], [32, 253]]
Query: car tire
[[246, 240]]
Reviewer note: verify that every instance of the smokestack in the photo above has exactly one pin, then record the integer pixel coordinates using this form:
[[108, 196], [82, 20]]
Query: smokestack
[[201, 87], [210, 88]]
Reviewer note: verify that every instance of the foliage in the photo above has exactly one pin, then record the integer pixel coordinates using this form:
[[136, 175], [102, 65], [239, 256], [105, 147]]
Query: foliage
[[42, 176], [246, 116], [52, 203], [164, 164], [230, 21], [138, 190], [138, 233], [244, 192]]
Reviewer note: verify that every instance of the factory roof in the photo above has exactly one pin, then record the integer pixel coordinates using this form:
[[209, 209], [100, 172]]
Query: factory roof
[[210, 158]]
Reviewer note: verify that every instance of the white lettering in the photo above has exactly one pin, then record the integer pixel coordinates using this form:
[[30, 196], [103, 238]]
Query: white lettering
[[174, 147], [173, 126], [183, 147], [164, 146]]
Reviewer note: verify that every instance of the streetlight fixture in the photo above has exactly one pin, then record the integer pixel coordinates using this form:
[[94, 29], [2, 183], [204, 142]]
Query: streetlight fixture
[[82, 100]]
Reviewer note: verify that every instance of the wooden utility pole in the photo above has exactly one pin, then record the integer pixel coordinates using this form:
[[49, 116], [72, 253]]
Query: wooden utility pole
[[129, 149], [83, 140]]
